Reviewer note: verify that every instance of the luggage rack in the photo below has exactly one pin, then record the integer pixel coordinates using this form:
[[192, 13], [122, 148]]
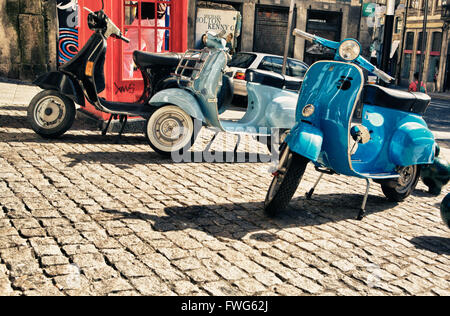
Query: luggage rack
[[192, 64]]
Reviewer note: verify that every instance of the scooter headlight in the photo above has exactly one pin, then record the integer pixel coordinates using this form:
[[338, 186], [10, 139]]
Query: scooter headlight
[[349, 50], [308, 110]]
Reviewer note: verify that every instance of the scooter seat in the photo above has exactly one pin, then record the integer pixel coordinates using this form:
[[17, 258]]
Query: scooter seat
[[146, 60], [415, 102], [272, 79]]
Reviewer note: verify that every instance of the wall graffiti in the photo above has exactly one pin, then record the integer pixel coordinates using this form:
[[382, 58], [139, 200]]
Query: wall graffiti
[[68, 29]]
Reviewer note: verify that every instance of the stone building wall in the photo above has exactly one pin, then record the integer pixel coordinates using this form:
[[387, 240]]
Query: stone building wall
[[350, 10], [28, 37]]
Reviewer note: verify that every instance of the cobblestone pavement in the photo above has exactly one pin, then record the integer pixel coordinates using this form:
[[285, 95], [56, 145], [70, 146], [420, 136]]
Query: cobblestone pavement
[[83, 216]]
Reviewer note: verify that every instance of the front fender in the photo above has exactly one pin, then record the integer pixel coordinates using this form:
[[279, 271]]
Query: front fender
[[181, 98], [62, 83], [412, 144], [305, 140]]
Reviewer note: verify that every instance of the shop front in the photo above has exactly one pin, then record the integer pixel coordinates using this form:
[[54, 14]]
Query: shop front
[[151, 25]]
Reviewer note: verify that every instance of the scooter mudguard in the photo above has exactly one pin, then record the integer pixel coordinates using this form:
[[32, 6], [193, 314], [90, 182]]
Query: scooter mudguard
[[305, 140], [62, 83], [181, 98], [412, 144]]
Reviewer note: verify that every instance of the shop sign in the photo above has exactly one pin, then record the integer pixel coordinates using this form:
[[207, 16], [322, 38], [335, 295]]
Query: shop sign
[[223, 22], [369, 9]]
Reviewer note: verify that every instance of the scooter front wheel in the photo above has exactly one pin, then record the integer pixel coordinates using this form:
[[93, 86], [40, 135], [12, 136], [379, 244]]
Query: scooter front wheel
[[171, 130], [51, 114], [285, 181], [399, 189]]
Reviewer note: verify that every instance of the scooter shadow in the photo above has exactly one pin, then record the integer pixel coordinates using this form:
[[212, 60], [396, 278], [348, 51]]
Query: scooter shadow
[[438, 245], [238, 220], [141, 158], [69, 138]]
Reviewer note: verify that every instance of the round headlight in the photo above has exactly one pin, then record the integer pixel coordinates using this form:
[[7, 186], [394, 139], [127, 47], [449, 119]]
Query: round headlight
[[308, 110], [349, 50]]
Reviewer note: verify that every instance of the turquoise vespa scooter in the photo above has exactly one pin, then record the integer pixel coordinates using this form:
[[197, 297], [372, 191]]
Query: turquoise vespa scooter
[[182, 111], [389, 146]]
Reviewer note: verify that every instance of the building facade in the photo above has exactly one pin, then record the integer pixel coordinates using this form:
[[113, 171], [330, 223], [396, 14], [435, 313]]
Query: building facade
[[28, 37], [435, 61], [265, 23]]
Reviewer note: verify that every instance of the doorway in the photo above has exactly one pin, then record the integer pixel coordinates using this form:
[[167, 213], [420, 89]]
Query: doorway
[[271, 25]]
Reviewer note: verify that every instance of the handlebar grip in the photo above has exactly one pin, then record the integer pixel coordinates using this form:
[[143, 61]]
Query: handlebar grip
[[382, 75], [126, 40], [305, 35]]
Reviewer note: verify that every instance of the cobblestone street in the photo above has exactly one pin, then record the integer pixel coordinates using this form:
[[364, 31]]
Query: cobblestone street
[[84, 216]]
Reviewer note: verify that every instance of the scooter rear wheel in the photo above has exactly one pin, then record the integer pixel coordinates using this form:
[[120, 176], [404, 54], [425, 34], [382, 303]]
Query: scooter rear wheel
[[171, 130], [51, 114], [285, 182], [399, 189]]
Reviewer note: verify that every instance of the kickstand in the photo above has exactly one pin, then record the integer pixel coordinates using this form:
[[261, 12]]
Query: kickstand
[[310, 193], [362, 211], [123, 120], [105, 130]]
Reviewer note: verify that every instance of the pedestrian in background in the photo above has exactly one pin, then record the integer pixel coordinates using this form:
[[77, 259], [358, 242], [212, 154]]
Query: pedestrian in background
[[414, 85]]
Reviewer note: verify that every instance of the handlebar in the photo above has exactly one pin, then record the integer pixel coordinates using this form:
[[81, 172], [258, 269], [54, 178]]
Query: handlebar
[[335, 45], [382, 75], [305, 35], [123, 38]]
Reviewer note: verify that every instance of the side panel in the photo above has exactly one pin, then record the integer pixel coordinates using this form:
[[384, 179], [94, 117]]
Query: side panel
[[269, 107], [181, 98], [62, 83], [306, 140], [412, 144]]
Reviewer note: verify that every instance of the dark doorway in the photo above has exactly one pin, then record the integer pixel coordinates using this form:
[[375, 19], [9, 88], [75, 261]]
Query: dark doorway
[[324, 24], [271, 25]]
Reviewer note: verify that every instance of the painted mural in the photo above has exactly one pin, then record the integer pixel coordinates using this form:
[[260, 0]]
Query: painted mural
[[68, 29]]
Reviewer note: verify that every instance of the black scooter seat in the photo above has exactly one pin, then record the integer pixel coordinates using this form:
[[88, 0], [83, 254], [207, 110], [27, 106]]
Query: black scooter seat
[[415, 102], [146, 60], [272, 79]]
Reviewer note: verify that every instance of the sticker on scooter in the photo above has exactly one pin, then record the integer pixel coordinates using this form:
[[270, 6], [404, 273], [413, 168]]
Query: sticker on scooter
[[375, 119], [344, 83]]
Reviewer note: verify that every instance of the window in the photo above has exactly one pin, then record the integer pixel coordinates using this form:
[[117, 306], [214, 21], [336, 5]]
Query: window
[[398, 25], [406, 68], [409, 41], [414, 4], [436, 42], [408, 50], [271, 63], [435, 55], [147, 25], [296, 69], [419, 43], [266, 64], [277, 64], [242, 60]]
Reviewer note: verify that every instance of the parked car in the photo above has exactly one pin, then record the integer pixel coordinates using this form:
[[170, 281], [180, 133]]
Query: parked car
[[249, 60]]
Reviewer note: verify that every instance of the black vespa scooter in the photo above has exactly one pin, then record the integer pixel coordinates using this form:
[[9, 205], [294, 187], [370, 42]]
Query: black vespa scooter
[[52, 112]]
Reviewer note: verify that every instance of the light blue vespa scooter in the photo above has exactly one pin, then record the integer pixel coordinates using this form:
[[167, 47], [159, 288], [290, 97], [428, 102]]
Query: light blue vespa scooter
[[181, 112], [388, 146]]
